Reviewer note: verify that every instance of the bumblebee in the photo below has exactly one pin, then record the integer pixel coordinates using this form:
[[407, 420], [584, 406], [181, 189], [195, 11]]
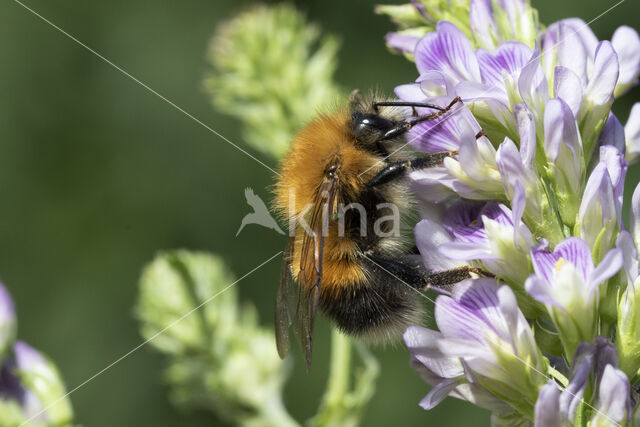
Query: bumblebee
[[342, 190]]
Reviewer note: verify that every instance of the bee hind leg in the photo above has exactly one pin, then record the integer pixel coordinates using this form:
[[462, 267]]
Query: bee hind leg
[[410, 270], [443, 281]]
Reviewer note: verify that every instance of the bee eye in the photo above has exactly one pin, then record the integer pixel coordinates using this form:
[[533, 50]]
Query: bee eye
[[369, 126]]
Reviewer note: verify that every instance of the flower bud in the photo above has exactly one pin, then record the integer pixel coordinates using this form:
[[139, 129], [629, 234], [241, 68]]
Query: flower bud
[[599, 212], [479, 352], [45, 397], [219, 356], [249, 69], [628, 334], [567, 282], [7, 320]]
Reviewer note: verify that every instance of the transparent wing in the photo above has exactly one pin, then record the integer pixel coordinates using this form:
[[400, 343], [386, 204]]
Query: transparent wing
[[303, 320], [310, 275], [283, 316], [295, 305], [311, 262]]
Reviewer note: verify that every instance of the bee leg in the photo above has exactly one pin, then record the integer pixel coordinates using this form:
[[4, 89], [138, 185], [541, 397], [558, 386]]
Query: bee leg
[[407, 269], [376, 105], [444, 280], [410, 270], [404, 126], [399, 169]]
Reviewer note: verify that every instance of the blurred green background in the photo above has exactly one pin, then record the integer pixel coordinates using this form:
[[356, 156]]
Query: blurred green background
[[97, 174]]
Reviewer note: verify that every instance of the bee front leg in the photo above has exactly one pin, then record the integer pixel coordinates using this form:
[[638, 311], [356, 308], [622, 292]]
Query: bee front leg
[[404, 126], [398, 170]]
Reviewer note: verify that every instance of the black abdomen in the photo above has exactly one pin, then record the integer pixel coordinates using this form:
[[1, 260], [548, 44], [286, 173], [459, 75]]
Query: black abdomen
[[380, 307]]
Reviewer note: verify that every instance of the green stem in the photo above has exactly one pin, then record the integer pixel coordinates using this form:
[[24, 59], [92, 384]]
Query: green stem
[[350, 385], [276, 415], [334, 403], [558, 376], [339, 373]]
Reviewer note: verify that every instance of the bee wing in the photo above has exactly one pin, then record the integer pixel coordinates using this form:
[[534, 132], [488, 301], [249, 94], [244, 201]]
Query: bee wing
[[310, 276], [304, 319], [283, 309], [297, 305], [311, 264]]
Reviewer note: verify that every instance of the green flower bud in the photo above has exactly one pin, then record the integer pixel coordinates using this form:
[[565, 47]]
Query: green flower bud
[[628, 336], [271, 70], [485, 23], [406, 16], [39, 377], [220, 358], [7, 320], [10, 413]]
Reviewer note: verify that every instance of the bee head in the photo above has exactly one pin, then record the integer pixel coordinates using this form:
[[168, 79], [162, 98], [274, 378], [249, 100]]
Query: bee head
[[368, 128]]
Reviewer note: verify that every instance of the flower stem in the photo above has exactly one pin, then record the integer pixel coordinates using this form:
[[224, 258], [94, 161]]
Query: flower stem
[[556, 375], [335, 408], [275, 414], [340, 368]]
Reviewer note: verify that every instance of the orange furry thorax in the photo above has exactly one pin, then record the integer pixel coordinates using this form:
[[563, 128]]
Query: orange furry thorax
[[321, 143], [324, 142]]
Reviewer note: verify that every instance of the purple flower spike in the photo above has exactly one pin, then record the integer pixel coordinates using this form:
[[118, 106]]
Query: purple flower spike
[[482, 333], [489, 237], [547, 410], [635, 215], [617, 167], [629, 256], [43, 386], [567, 282], [445, 374], [508, 59], [535, 199], [572, 43], [613, 405], [626, 43], [533, 86], [632, 135], [613, 134], [27, 357], [593, 363], [448, 51], [10, 388], [446, 133], [7, 320], [403, 43], [429, 235], [599, 216], [473, 175], [568, 87], [604, 75], [484, 27]]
